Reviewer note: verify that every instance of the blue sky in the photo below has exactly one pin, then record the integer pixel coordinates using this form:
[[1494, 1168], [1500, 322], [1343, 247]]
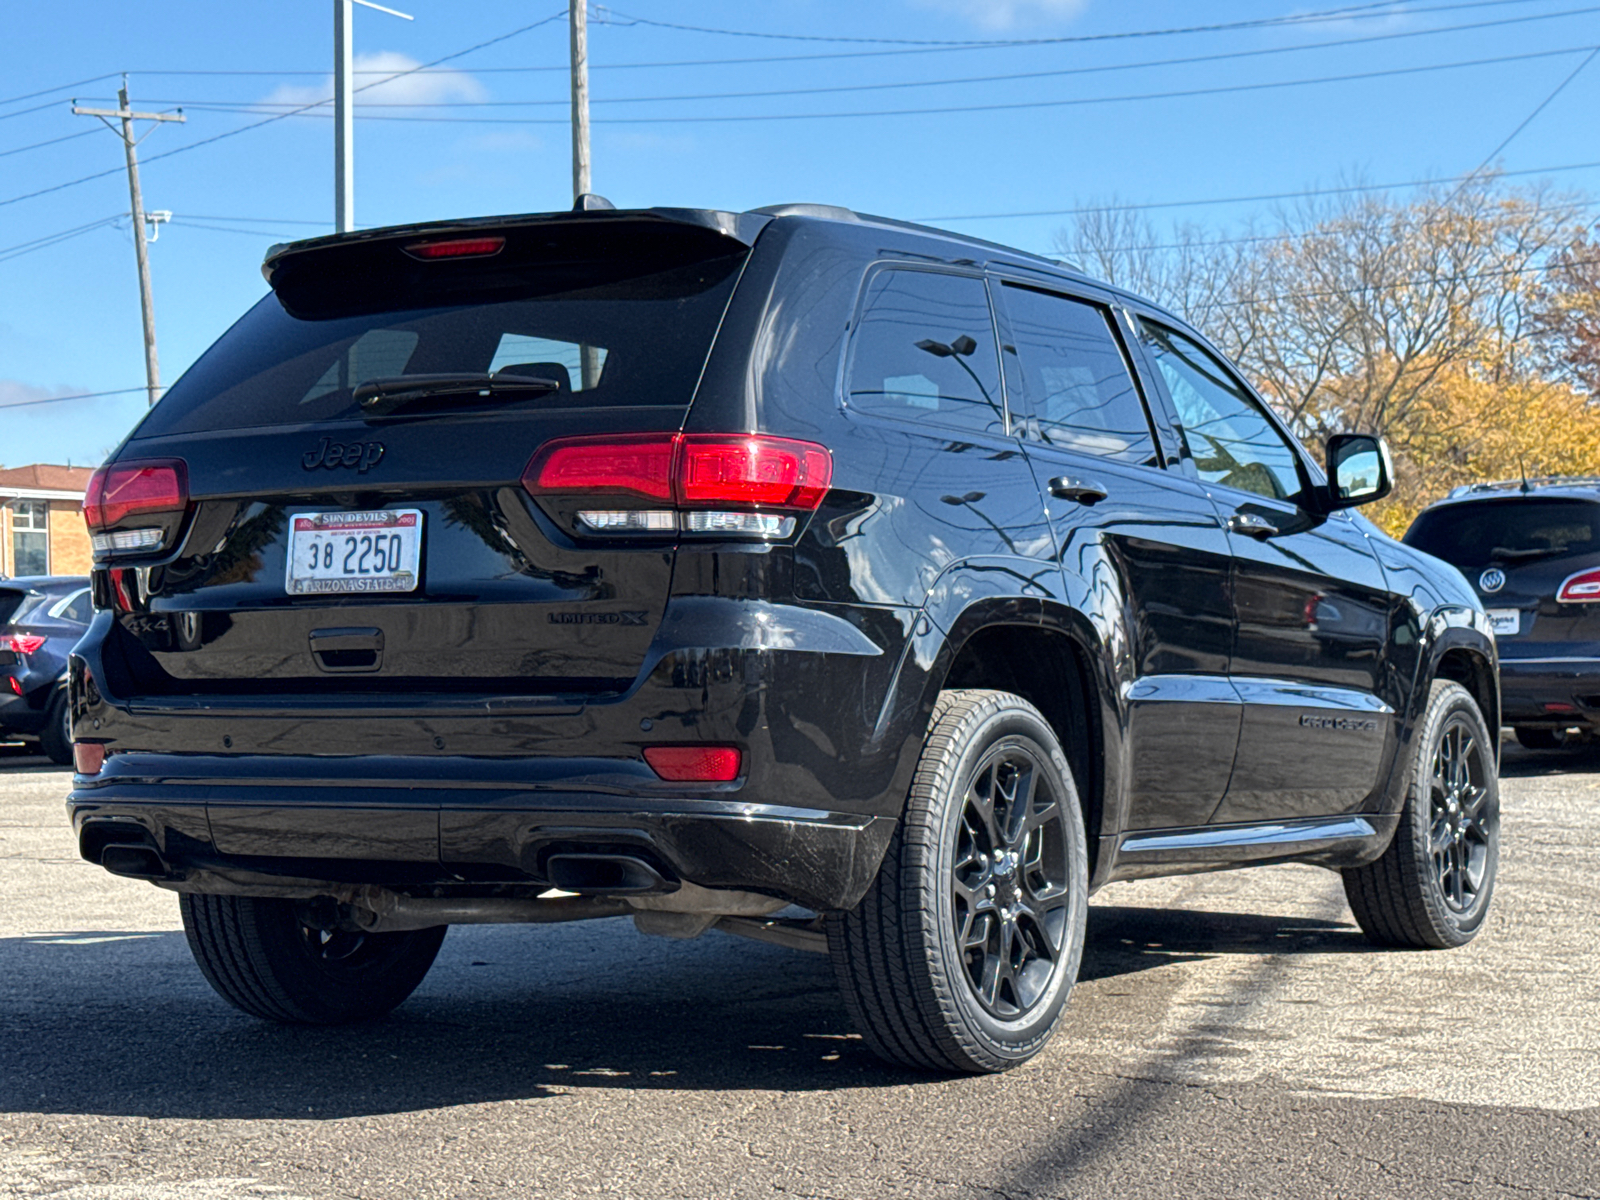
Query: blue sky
[[1068, 123]]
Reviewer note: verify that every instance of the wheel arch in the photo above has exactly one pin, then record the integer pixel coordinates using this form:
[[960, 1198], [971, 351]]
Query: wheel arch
[[1051, 670]]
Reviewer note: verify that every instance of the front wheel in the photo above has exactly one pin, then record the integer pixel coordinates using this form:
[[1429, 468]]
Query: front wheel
[[263, 959], [1431, 889], [962, 953]]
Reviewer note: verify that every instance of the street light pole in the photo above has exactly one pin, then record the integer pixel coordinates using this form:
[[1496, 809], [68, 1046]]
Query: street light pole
[[579, 20], [344, 113]]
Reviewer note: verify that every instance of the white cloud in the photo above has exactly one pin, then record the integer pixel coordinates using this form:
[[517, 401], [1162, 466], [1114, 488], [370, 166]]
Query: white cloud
[[1005, 14], [14, 391], [419, 87]]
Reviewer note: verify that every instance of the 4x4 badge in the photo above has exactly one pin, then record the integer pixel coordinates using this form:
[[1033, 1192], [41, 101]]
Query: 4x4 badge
[[1492, 580], [331, 454]]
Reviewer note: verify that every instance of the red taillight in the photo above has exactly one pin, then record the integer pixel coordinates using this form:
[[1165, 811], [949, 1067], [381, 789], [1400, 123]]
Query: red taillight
[[22, 643], [691, 470], [635, 466], [122, 490], [694, 764], [1582, 588], [767, 471], [16, 684], [479, 247], [88, 757]]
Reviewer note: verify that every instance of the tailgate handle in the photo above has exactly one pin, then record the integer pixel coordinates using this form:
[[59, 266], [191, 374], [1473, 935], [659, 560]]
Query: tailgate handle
[[342, 651]]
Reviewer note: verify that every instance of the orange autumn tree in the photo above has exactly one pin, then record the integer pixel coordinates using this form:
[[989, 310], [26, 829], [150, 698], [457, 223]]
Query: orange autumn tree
[[1437, 322]]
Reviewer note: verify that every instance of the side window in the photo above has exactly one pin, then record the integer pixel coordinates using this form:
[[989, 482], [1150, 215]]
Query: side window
[[1076, 377], [924, 350], [75, 607], [1225, 431]]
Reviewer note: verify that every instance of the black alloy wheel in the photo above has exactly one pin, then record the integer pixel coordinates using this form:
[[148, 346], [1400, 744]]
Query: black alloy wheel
[[267, 957], [1010, 881], [1461, 832], [1431, 888], [962, 953]]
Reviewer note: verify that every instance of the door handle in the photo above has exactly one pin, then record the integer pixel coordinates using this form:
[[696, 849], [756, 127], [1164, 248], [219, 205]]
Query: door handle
[[1084, 491], [1252, 525]]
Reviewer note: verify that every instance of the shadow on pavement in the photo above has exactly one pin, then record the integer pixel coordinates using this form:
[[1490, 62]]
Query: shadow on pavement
[[1580, 759], [121, 1023]]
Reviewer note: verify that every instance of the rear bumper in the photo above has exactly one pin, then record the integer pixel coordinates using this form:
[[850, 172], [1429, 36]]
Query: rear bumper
[[482, 835], [1527, 685]]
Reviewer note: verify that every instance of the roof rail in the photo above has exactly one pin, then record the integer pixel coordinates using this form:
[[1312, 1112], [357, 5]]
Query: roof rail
[[1517, 485]]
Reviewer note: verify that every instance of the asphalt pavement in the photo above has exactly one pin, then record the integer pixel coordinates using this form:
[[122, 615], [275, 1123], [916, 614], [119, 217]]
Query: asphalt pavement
[[1232, 1035]]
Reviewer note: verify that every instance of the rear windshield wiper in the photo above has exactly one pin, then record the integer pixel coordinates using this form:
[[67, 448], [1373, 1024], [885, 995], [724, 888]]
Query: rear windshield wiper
[[380, 396], [1506, 554]]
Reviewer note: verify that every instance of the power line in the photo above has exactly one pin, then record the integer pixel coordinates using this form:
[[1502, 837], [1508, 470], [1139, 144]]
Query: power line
[[1333, 191], [51, 142], [52, 239], [1330, 293], [1528, 120], [1350, 12], [76, 396], [281, 116], [180, 223], [65, 87], [254, 220], [945, 81], [1010, 106]]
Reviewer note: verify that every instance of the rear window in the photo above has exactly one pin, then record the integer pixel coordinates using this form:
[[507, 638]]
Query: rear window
[[10, 600], [1508, 531], [635, 341]]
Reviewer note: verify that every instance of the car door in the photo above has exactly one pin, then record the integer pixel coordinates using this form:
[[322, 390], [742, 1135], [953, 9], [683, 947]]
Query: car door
[[1141, 547], [1309, 598]]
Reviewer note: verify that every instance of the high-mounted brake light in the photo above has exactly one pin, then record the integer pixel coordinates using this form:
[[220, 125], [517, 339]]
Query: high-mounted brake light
[[1582, 588], [478, 247], [720, 483], [694, 764], [129, 489], [22, 643]]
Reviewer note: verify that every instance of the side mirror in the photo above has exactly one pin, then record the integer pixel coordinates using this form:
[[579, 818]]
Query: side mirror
[[1359, 470]]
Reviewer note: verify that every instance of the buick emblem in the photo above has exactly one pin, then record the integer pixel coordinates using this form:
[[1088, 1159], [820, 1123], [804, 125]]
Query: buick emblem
[[1492, 580]]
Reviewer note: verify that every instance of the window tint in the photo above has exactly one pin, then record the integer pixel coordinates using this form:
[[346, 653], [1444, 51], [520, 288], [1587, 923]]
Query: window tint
[[1226, 433], [1507, 531], [647, 340], [1075, 377], [75, 607], [924, 349]]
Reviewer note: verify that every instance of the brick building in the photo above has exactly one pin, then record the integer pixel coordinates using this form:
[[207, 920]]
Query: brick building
[[41, 520]]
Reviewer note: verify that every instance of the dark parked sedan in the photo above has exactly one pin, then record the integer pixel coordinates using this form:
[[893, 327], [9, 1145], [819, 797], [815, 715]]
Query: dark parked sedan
[[1532, 550], [41, 619]]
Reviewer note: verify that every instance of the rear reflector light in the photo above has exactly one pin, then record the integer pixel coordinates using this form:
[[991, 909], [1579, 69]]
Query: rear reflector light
[[122, 490], [1582, 588], [88, 757], [720, 475], [694, 764], [1558, 706], [22, 643], [16, 684], [480, 247]]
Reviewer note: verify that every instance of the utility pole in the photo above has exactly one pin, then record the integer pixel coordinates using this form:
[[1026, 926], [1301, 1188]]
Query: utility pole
[[344, 113], [580, 96], [152, 369], [344, 125], [578, 14]]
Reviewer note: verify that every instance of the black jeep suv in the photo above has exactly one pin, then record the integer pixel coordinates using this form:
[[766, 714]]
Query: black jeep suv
[[694, 565], [1532, 547]]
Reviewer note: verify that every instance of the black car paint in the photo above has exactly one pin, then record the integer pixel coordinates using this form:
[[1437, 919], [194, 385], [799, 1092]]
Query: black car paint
[[1172, 656], [42, 675]]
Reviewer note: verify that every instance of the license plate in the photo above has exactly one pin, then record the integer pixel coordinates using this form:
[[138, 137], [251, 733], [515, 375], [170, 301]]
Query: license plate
[[1504, 621], [354, 552]]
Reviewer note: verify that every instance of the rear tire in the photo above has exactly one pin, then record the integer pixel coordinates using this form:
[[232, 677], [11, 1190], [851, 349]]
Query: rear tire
[[1540, 739], [55, 739], [262, 959], [1432, 887], [961, 955]]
